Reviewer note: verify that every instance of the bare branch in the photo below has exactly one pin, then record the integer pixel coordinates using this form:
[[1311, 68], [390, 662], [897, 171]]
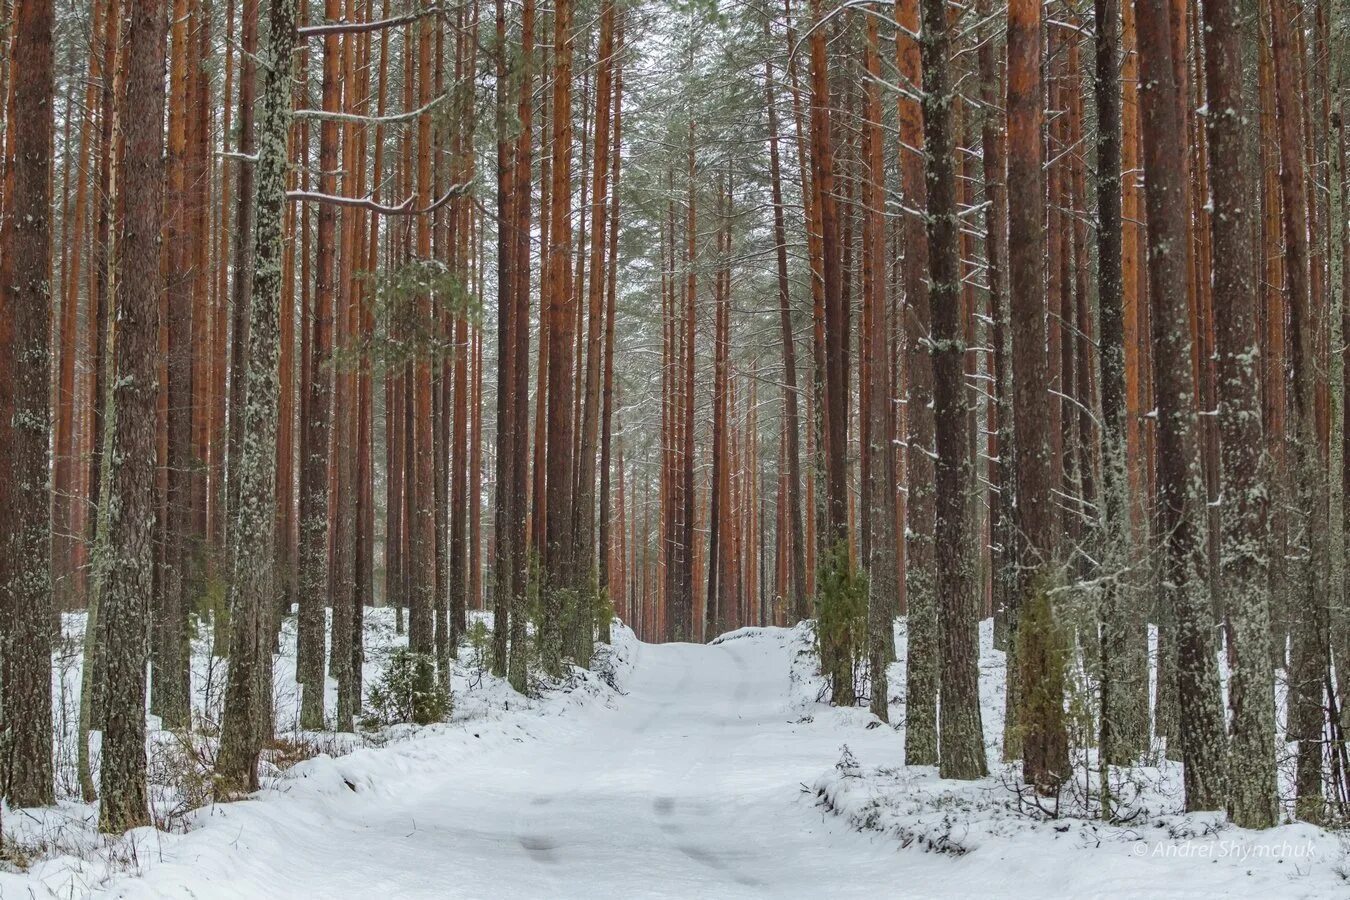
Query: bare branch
[[372, 120], [345, 27], [403, 209]]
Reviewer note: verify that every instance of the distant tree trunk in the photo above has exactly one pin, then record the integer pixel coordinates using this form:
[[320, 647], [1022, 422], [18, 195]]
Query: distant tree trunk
[[836, 650], [714, 617], [538, 482], [503, 564], [921, 663], [342, 436], [1034, 663], [245, 221], [422, 599], [584, 514], [69, 494], [519, 473], [815, 256], [1308, 663], [476, 599], [613, 589], [248, 697], [1273, 309], [557, 569], [316, 589], [26, 613], [98, 328], [170, 647], [459, 486], [1124, 639], [126, 556], [670, 413], [796, 595], [1183, 493], [1001, 446], [836, 313], [880, 487]]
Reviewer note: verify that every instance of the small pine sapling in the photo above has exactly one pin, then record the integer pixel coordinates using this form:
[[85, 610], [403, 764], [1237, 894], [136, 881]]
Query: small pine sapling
[[841, 623], [407, 691]]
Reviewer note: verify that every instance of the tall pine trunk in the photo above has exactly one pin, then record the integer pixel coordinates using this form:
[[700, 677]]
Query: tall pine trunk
[[1244, 579], [1124, 641], [1185, 556], [1035, 691], [248, 696], [26, 614], [921, 661], [881, 566], [126, 554], [961, 735], [795, 596]]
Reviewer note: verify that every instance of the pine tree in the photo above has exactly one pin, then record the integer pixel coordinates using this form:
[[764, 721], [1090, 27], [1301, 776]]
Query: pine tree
[[1182, 492], [1124, 645], [921, 662], [248, 693], [1044, 743], [881, 567], [26, 614], [559, 581], [316, 589], [1308, 659], [503, 569], [960, 735], [126, 554], [1251, 775], [519, 486], [791, 414]]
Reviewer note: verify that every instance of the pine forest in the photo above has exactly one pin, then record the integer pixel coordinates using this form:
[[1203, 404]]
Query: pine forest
[[674, 448]]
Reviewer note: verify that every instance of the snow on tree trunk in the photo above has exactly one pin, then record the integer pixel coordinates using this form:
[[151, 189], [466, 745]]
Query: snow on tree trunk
[[1182, 492], [880, 487], [921, 664], [503, 564], [519, 472], [1124, 640], [960, 734], [248, 695], [1308, 663], [316, 590], [126, 556], [26, 616], [796, 542], [1244, 576], [1043, 741]]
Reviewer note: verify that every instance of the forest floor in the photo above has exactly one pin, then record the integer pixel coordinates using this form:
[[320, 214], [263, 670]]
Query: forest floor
[[684, 771]]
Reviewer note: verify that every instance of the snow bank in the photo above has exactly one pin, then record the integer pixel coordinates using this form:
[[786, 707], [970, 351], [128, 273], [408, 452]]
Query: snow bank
[[58, 852], [1003, 841]]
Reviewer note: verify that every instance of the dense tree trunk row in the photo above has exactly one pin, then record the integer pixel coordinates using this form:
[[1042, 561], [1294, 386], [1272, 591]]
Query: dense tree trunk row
[[911, 309]]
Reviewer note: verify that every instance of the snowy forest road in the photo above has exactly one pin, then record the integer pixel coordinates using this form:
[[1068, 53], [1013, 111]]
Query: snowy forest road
[[689, 785]]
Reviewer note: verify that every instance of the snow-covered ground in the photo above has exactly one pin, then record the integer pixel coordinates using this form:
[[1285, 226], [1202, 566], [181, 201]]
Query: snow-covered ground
[[687, 772], [996, 839]]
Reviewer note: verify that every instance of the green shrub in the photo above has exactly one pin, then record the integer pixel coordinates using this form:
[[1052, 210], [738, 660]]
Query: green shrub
[[1042, 656], [406, 691], [479, 639], [841, 623], [604, 614]]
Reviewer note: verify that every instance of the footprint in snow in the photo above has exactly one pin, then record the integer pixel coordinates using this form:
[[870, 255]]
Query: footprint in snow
[[540, 849]]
